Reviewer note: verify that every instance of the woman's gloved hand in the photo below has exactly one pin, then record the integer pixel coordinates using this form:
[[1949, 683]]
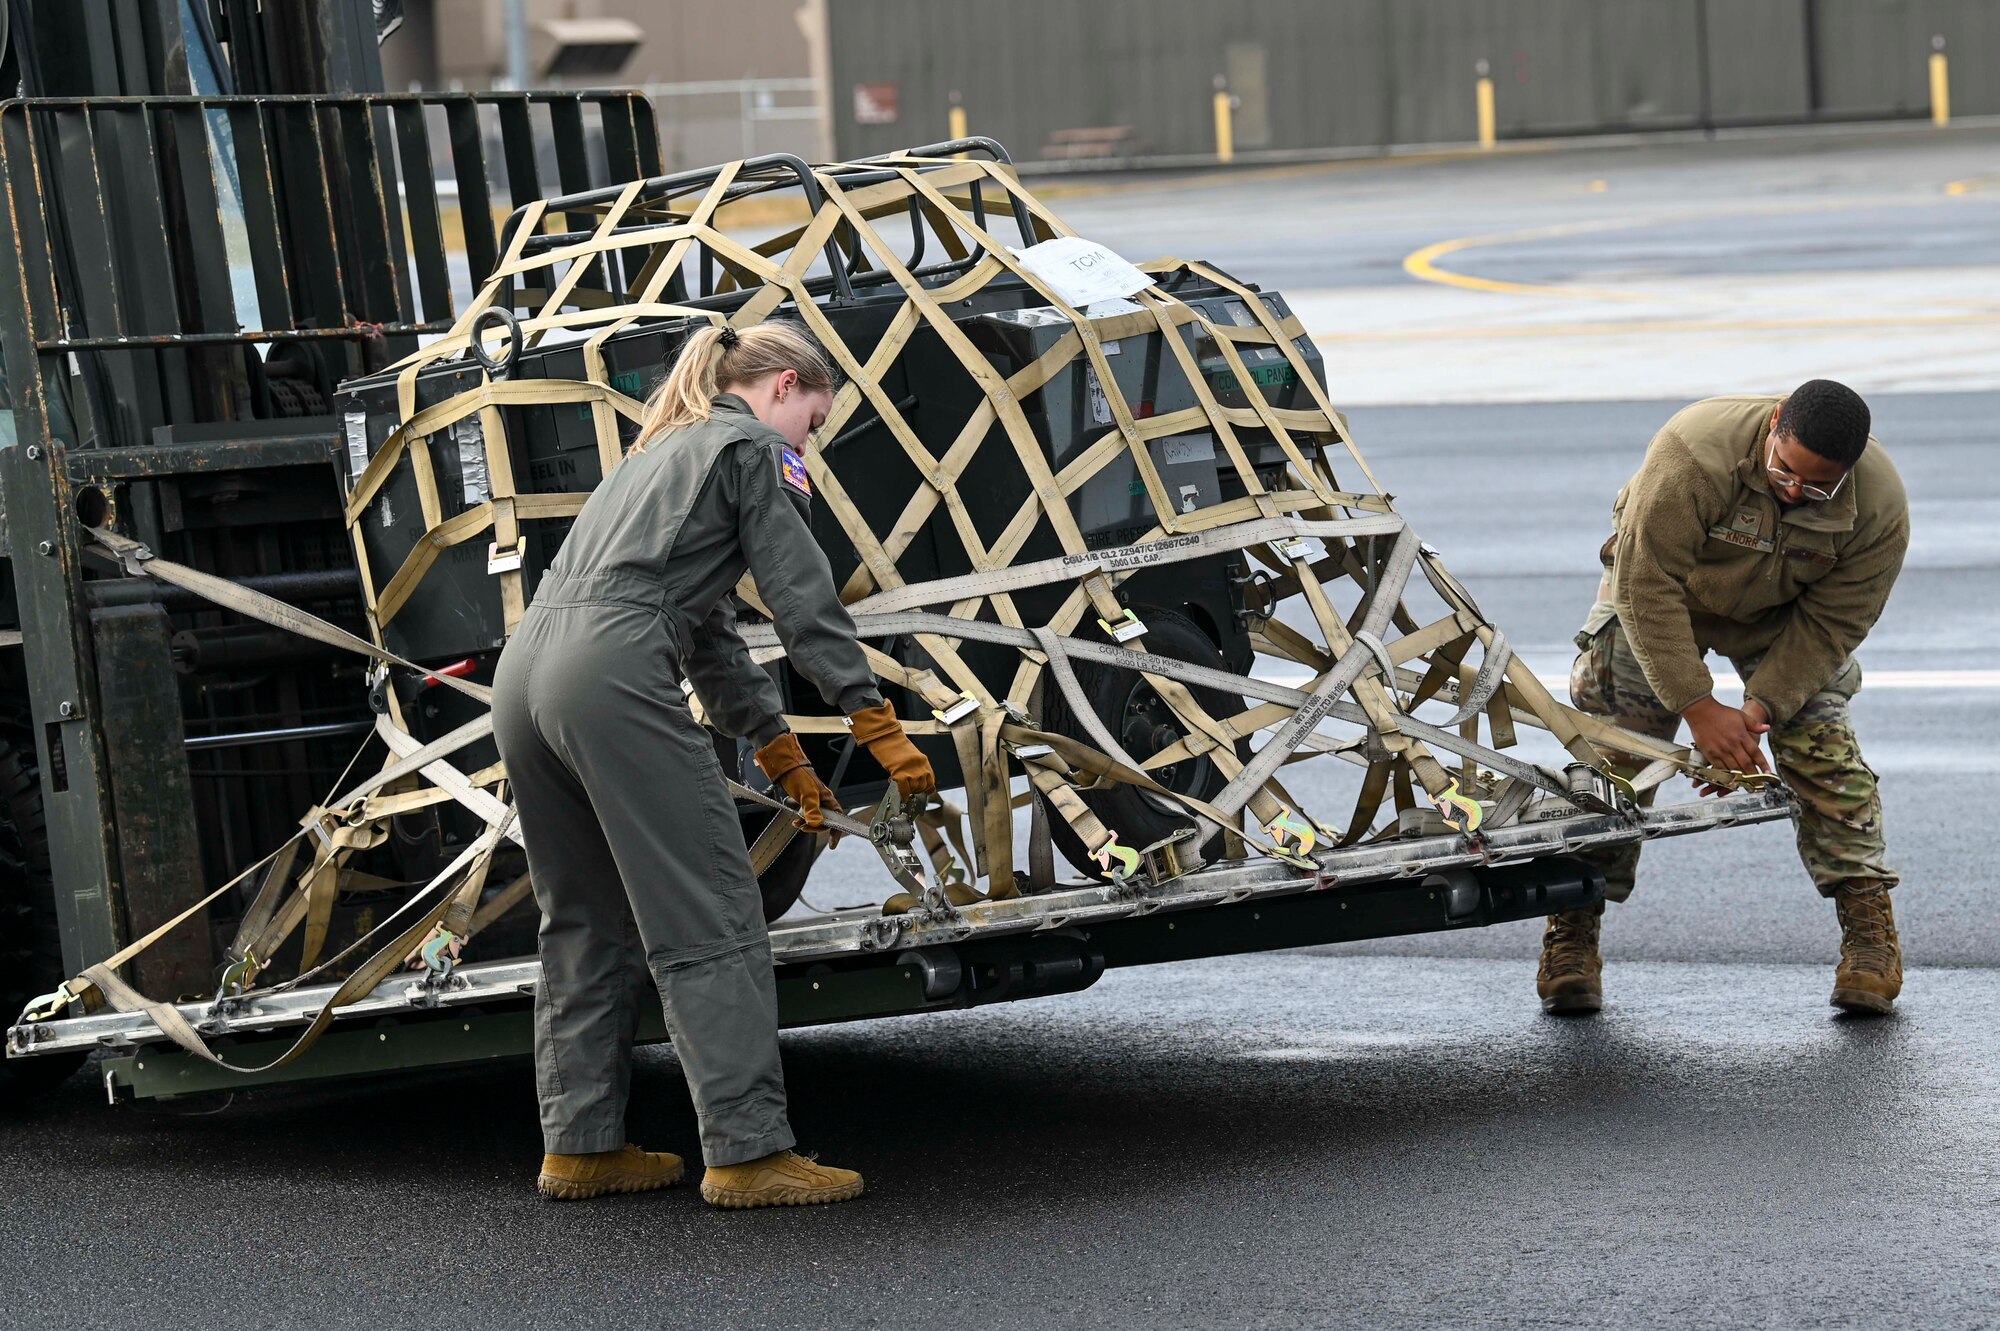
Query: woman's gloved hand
[[785, 763], [878, 728]]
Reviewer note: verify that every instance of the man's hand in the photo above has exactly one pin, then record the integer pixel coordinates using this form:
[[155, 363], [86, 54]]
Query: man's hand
[[1728, 736]]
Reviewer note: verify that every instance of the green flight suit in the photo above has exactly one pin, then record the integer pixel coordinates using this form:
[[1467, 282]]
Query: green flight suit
[[633, 842]]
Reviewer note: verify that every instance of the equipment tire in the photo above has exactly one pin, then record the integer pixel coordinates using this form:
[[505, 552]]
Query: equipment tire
[[1125, 703], [31, 962]]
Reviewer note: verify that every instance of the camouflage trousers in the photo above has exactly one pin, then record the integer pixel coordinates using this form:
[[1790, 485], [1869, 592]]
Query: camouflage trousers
[[1816, 754]]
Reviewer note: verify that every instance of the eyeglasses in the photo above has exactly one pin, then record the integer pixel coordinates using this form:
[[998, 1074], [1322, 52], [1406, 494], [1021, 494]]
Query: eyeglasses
[[1791, 482]]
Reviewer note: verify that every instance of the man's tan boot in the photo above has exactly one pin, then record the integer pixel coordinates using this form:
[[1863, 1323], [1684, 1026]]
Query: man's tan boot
[[1871, 959], [1571, 979], [570, 1178], [784, 1179]]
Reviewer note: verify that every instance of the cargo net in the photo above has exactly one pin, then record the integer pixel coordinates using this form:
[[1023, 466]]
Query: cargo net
[[1362, 615], [1331, 564]]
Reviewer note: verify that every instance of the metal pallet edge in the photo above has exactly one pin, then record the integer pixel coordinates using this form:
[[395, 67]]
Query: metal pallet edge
[[857, 934]]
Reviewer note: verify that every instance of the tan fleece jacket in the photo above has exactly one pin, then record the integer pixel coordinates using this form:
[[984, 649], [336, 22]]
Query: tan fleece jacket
[[1704, 559]]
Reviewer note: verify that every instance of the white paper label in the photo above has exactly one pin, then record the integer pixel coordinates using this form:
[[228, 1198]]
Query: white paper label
[[1081, 271], [1100, 406]]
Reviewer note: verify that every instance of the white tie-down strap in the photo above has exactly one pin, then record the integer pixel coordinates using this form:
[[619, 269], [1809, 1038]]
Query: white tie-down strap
[[1327, 689], [141, 562], [763, 642], [1492, 671], [450, 779], [1127, 559]]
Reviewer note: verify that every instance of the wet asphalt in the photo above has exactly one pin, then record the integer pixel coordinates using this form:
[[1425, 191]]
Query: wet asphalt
[[1377, 1135], [1283, 1141]]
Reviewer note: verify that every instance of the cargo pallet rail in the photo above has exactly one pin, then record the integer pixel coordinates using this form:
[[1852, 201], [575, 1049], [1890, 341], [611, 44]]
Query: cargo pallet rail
[[855, 964]]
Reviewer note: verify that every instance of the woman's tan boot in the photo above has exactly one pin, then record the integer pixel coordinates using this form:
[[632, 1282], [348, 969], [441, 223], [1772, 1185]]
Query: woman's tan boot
[[784, 1179]]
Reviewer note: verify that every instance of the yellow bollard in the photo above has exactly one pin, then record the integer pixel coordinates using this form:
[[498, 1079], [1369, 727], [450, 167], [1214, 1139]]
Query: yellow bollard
[[1940, 85], [1225, 133], [957, 122], [1488, 129]]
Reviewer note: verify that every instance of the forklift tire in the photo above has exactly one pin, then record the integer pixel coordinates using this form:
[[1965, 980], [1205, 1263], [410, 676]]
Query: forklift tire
[[31, 962], [1141, 720], [781, 884]]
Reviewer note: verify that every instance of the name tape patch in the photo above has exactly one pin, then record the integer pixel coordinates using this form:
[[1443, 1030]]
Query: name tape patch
[[793, 468], [1748, 540]]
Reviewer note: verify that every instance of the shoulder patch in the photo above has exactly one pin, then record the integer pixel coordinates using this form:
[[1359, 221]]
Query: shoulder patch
[[792, 468]]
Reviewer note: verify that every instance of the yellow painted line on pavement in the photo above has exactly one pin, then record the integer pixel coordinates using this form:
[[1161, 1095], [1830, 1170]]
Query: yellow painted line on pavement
[[1612, 327], [1422, 264]]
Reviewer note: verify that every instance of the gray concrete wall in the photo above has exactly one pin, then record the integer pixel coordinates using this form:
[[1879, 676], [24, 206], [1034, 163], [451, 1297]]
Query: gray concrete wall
[[1364, 73]]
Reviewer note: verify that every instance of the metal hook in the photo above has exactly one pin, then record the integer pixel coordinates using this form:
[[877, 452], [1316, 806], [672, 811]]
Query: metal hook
[[502, 366]]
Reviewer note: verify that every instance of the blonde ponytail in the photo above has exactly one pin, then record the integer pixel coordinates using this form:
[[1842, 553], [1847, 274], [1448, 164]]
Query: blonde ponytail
[[715, 359]]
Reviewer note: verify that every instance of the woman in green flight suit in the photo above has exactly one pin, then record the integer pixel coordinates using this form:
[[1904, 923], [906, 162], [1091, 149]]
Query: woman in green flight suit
[[633, 842]]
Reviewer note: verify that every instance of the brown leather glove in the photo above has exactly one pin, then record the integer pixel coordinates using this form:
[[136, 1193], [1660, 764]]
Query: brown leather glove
[[878, 728], [785, 763]]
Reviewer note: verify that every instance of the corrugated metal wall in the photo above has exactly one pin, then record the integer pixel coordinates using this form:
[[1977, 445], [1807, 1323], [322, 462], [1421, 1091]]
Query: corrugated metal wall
[[1363, 73], [1859, 36]]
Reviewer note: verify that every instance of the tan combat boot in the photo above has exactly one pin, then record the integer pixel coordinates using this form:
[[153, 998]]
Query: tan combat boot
[[1871, 959], [1571, 979], [784, 1179], [570, 1178]]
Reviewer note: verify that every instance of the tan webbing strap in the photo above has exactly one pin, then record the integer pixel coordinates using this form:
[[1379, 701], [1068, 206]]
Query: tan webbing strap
[[489, 808], [499, 904], [363, 981], [1148, 552], [414, 763], [771, 843], [276, 873], [141, 562], [764, 647]]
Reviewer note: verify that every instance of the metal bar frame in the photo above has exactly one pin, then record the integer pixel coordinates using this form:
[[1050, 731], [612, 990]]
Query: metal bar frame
[[92, 269]]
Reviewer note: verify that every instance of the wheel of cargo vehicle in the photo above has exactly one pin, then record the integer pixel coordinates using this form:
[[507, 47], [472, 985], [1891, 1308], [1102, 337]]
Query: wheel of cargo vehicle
[[30, 944], [1141, 720], [781, 884]]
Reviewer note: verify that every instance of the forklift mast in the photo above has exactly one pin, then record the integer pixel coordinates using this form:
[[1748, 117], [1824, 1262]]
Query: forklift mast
[[216, 214]]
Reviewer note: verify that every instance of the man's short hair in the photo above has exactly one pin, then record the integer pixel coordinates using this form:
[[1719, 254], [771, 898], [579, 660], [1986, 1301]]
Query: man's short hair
[[1828, 418]]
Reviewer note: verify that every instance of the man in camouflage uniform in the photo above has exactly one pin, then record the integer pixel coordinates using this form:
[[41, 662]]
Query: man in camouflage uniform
[[1769, 531]]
